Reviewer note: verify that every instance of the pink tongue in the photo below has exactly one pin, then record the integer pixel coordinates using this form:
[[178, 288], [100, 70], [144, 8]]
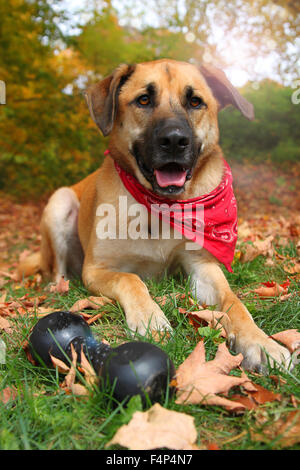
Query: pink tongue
[[166, 178]]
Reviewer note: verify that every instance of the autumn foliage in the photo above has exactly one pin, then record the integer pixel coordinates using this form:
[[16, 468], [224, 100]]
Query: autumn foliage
[[47, 138]]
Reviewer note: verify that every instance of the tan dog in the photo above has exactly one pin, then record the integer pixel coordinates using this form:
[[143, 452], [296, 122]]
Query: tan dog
[[161, 116]]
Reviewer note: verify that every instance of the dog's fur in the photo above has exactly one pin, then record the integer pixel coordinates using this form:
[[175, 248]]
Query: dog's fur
[[115, 268]]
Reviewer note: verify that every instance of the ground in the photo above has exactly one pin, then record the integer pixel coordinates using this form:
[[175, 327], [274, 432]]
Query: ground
[[41, 415]]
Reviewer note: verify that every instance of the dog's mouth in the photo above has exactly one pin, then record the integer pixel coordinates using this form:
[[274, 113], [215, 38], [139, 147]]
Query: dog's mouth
[[171, 174], [168, 179]]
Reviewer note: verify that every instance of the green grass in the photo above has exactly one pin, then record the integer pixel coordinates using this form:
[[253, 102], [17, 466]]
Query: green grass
[[44, 417]]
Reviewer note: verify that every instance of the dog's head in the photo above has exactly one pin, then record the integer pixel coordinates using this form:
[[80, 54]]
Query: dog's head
[[162, 118]]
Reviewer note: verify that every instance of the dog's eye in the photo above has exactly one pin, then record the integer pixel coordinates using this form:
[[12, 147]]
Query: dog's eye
[[196, 102], [144, 100]]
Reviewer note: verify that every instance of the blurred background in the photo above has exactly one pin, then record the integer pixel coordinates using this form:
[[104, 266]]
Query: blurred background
[[50, 51]]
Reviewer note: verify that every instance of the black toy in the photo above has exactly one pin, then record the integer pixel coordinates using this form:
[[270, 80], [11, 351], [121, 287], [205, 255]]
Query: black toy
[[134, 368]]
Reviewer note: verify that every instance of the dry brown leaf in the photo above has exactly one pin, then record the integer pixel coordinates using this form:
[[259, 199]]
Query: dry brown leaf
[[259, 247], [175, 295], [295, 402], [199, 381], [255, 395], [7, 394], [290, 338], [246, 400], [157, 428], [213, 318], [69, 385], [71, 375], [91, 302], [244, 230], [285, 430], [61, 366], [13, 276], [62, 286], [284, 297], [292, 267], [249, 253], [87, 369], [94, 318], [272, 289], [21, 306], [261, 395], [80, 390], [5, 325]]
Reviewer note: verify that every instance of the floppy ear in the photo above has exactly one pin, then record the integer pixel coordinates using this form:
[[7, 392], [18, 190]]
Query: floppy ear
[[225, 92], [102, 98]]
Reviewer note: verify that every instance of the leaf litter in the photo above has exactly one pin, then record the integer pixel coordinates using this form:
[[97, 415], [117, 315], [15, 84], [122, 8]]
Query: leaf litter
[[264, 235]]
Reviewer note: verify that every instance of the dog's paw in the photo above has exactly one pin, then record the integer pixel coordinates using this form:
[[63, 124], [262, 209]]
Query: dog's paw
[[149, 321], [259, 351]]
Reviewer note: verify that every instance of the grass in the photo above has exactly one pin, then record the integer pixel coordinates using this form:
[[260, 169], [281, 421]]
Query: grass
[[43, 417]]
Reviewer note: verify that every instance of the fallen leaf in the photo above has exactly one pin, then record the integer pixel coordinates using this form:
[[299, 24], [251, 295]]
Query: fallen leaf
[[272, 289], [295, 402], [5, 325], [91, 303], [22, 305], [292, 267], [61, 366], [71, 375], [13, 276], [69, 385], [277, 379], [94, 318], [79, 390], [285, 430], [261, 395], [284, 297], [290, 338], [213, 319], [87, 369], [62, 286], [259, 247], [8, 394], [247, 401], [157, 428], [212, 446], [199, 381]]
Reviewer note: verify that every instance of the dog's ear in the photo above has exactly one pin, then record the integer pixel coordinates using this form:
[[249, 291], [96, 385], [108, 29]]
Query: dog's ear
[[102, 98], [225, 93]]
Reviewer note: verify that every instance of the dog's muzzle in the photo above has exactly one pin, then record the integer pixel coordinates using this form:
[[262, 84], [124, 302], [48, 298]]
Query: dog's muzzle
[[168, 155]]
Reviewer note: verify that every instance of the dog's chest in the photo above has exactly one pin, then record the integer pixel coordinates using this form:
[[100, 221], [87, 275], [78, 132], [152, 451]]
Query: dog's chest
[[147, 258], [129, 239]]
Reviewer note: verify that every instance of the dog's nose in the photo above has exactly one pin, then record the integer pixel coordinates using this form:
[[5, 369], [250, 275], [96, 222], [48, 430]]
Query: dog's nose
[[173, 139]]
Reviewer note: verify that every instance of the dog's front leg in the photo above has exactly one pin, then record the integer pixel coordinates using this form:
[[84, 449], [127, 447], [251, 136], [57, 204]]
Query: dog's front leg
[[211, 287], [142, 313]]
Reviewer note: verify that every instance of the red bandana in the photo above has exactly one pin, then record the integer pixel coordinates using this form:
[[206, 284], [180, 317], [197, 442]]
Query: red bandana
[[218, 211]]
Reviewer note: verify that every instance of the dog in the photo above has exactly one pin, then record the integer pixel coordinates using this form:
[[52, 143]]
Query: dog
[[162, 119]]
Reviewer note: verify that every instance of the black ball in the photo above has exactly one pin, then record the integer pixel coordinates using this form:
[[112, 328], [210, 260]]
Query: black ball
[[54, 334], [138, 368]]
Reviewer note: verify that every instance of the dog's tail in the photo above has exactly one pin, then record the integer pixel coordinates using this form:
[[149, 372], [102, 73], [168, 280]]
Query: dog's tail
[[30, 265]]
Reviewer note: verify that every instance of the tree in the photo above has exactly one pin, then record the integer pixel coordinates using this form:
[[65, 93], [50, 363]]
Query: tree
[[246, 33], [43, 126]]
